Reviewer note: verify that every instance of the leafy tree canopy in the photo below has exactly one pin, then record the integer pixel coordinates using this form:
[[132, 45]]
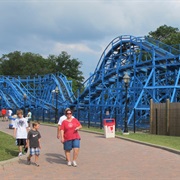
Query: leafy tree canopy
[[17, 63], [167, 34]]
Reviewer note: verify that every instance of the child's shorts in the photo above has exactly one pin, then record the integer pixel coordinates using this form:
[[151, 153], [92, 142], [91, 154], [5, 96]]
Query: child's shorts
[[34, 151], [69, 145], [21, 142]]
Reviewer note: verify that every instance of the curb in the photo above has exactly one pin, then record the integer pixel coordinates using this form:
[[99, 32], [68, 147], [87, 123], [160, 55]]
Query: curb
[[139, 142]]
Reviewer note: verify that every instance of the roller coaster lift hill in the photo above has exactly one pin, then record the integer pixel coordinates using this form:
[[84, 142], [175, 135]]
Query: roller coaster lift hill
[[153, 69]]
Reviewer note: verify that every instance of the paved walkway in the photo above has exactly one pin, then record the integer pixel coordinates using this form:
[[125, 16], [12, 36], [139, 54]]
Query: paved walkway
[[99, 158]]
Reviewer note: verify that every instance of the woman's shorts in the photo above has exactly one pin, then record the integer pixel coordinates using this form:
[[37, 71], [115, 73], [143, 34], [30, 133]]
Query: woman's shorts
[[34, 151], [69, 145], [21, 142]]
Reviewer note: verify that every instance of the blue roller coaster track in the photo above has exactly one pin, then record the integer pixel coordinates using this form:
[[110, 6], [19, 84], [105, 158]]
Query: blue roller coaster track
[[153, 67]]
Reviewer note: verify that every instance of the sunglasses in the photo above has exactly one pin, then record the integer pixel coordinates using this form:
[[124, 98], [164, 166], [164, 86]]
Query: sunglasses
[[68, 113]]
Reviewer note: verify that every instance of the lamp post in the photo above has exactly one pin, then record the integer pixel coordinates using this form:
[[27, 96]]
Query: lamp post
[[24, 97], [126, 80], [56, 110]]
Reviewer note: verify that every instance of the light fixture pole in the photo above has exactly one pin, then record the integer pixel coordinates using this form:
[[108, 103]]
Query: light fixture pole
[[56, 110], [126, 80], [24, 97]]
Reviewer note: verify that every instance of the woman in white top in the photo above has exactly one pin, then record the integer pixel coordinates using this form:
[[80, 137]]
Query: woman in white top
[[29, 117]]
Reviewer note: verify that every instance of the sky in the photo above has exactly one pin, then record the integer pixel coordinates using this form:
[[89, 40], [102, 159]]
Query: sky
[[82, 28]]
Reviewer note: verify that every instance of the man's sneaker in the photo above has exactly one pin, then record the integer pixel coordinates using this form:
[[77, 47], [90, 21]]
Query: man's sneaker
[[20, 154], [74, 163], [69, 163], [28, 161]]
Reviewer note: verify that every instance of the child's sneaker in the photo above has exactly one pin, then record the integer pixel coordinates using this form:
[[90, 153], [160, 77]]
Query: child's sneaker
[[69, 163], [28, 161], [20, 154], [74, 163]]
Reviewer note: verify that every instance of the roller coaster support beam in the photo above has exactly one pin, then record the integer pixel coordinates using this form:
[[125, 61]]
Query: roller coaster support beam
[[24, 97], [56, 110]]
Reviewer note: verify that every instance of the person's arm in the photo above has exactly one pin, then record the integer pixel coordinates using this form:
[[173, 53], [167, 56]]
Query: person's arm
[[39, 143], [62, 136], [27, 143], [58, 131], [79, 127], [15, 132]]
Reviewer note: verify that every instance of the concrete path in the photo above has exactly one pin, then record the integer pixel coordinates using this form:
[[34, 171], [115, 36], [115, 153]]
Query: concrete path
[[99, 158]]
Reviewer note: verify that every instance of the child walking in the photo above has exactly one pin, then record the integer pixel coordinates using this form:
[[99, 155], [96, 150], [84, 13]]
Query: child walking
[[20, 131], [33, 142]]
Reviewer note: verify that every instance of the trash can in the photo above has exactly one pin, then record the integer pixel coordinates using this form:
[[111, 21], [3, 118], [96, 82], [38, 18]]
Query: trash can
[[109, 128]]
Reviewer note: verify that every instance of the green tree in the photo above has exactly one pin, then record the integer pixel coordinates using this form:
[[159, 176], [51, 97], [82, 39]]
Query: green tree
[[18, 63], [167, 34], [23, 64], [69, 67]]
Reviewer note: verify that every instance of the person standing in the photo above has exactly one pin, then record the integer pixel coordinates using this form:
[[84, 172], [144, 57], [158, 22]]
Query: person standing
[[29, 117], [33, 142], [3, 112], [70, 137], [20, 131], [61, 119]]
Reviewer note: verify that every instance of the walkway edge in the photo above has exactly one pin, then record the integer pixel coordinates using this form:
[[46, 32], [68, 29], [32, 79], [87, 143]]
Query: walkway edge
[[139, 142], [2, 163]]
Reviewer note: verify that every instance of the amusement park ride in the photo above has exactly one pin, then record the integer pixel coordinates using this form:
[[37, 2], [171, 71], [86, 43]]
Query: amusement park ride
[[130, 72]]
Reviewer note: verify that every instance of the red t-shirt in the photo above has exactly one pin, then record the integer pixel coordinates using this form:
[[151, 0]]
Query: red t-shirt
[[69, 129], [3, 111]]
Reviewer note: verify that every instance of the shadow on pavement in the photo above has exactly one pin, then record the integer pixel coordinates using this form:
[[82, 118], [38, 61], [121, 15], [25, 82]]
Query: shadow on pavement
[[55, 158]]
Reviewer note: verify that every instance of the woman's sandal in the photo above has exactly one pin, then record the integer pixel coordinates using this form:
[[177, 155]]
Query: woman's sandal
[[37, 164]]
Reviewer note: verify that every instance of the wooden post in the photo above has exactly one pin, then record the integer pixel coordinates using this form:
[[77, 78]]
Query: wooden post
[[151, 116], [167, 117]]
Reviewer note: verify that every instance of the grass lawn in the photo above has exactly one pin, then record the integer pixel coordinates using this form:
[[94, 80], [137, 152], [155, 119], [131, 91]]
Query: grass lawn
[[8, 149]]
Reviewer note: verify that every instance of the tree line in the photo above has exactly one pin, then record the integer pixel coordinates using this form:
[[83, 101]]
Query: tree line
[[30, 64], [18, 63]]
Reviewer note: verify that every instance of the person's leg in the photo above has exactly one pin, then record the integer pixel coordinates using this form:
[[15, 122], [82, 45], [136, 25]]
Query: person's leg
[[67, 153], [29, 159], [68, 148], [20, 150], [24, 146], [76, 146], [75, 153], [31, 153], [37, 153], [29, 123], [20, 144], [36, 160]]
